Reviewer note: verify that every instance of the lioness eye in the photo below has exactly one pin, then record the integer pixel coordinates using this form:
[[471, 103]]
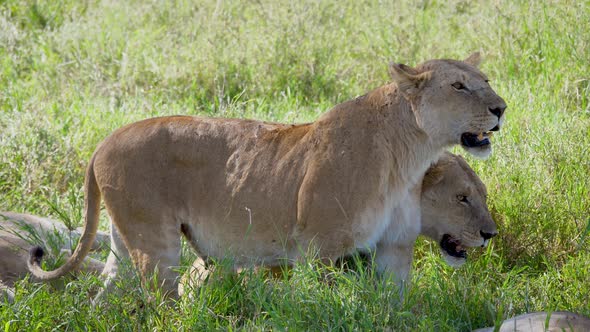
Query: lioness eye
[[459, 86], [462, 198]]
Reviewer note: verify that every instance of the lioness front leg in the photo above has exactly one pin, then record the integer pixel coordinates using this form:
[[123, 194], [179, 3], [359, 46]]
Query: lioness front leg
[[395, 249], [194, 277], [395, 261]]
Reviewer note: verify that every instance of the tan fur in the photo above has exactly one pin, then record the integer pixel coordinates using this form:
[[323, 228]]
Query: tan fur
[[441, 213], [264, 193], [19, 231], [543, 321], [194, 277]]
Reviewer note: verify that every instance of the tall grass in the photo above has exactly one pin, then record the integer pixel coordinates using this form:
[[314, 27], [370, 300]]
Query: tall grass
[[73, 71]]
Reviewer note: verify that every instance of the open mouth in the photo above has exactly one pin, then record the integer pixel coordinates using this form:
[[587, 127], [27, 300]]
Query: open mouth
[[453, 246], [471, 140]]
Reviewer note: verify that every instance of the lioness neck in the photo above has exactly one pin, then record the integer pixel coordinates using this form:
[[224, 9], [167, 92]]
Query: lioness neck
[[388, 119]]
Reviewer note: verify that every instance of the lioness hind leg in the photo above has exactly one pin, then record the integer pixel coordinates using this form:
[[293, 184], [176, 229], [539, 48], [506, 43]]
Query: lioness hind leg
[[156, 253], [112, 268]]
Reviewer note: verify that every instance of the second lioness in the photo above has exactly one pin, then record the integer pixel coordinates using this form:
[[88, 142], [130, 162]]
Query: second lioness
[[18, 231], [453, 205], [264, 193]]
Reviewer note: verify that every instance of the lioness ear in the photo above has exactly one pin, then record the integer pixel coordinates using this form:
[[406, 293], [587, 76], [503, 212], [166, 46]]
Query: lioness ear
[[474, 59], [433, 176], [408, 79]]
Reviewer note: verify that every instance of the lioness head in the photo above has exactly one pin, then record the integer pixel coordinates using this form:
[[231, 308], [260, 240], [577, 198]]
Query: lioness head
[[453, 102], [454, 210]]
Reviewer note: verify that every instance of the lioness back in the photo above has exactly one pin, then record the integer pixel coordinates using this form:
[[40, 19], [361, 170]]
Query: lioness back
[[215, 172]]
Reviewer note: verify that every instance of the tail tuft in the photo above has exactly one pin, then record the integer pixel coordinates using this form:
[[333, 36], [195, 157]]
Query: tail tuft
[[36, 255]]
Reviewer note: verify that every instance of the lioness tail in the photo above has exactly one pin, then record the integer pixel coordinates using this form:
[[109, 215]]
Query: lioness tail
[[92, 211]]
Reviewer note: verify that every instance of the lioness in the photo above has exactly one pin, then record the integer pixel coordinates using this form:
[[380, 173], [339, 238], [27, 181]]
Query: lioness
[[454, 214], [543, 321], [18, 231], [264, 193], [454, 208]]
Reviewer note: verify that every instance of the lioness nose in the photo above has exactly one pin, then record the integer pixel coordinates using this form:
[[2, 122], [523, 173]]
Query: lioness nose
[[487, 236], [497, 111]]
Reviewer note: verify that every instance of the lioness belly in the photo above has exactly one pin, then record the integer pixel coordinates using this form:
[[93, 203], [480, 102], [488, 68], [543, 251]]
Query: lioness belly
[[246, 239]]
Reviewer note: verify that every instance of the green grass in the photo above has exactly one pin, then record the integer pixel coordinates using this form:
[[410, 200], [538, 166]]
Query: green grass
[[73, 71]]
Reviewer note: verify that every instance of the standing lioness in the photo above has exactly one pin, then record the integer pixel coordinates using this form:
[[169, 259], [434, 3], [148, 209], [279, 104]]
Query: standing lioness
[[264, 192]]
